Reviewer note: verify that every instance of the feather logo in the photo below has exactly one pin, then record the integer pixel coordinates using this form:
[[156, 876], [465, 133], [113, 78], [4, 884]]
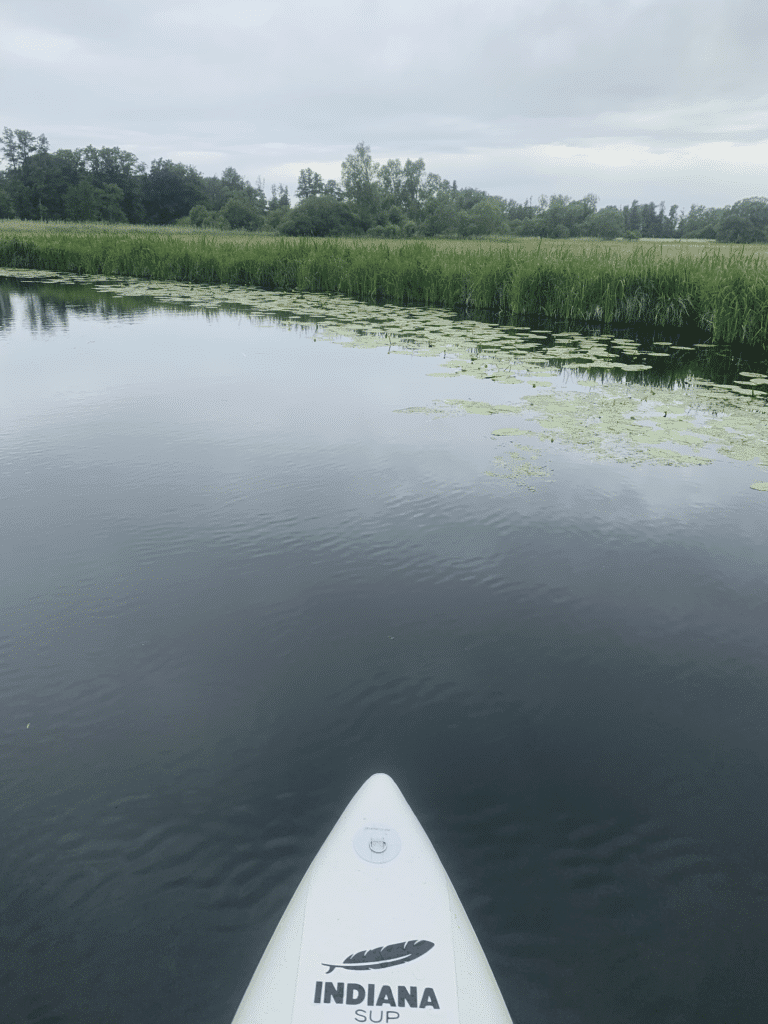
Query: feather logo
[[384, 956]]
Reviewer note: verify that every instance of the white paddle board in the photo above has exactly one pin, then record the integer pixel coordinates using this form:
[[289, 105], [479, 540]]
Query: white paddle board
[[374, 933]]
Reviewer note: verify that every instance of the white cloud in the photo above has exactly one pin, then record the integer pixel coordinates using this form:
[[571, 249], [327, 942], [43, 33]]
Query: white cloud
[[519, 97], [35, 48]]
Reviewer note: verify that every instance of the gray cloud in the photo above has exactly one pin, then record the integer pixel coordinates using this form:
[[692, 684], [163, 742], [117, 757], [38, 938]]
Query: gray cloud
[[631, 99]]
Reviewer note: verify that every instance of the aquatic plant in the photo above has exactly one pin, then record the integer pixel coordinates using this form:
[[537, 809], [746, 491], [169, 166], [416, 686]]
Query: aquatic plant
[[719, 288], [640, 401]]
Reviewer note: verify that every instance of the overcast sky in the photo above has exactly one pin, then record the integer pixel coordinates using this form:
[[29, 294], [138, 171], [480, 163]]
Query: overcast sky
[[629, 99]]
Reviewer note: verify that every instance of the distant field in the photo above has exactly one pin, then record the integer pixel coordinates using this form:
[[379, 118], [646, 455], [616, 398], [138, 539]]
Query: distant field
[[720, 288], [665, 247]]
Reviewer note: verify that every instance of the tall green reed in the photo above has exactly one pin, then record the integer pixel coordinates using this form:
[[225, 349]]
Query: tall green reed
[[723, 290]]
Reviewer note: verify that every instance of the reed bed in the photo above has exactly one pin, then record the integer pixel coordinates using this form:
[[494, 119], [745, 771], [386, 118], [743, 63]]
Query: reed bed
[[721, 289]]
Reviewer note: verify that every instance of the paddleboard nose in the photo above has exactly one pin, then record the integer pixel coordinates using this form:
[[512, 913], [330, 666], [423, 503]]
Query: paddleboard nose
[[379, 802], [377, 913], [380, 787]]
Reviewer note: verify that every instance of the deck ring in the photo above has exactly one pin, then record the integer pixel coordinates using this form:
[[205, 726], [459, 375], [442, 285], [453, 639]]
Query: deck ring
[[377, 845]]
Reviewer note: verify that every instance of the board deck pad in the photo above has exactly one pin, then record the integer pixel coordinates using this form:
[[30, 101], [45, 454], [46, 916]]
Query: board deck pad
[[375, 932]]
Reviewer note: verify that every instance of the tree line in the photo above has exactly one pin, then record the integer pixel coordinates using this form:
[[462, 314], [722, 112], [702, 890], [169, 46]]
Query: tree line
[[387, 200]]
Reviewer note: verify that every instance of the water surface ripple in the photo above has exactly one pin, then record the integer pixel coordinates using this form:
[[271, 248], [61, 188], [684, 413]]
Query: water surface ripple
[[237, 582]]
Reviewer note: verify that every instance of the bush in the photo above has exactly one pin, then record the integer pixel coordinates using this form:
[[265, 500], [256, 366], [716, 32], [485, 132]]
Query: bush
[[201, 217], [735, 228], [383, 231], [6, 205], [198, 215], [320, 217], [606, 223], [239, 213]]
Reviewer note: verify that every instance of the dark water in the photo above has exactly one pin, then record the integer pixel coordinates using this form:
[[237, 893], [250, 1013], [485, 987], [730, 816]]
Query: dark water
[[236, 582]]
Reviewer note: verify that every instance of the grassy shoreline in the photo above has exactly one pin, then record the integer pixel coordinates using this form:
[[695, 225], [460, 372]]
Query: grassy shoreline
[[721, 289]]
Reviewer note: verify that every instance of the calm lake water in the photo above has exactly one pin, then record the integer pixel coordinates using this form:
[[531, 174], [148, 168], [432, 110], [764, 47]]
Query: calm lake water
[[237, 581]]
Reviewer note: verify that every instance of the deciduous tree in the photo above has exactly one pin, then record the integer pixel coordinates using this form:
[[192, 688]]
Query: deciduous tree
[[310, 184], [358, 178], [171, 190]]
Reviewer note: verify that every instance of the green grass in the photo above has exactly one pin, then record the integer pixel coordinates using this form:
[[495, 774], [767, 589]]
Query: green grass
[[721, 288]]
